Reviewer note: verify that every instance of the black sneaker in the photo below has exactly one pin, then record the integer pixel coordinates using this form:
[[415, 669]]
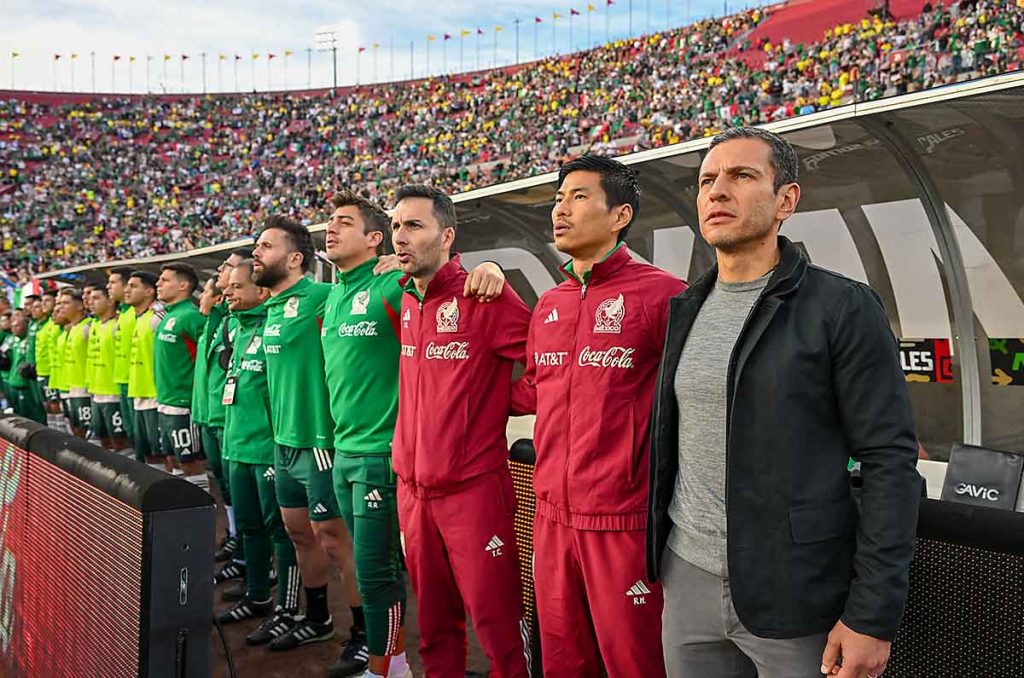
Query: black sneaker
[[274, 626], [227, 548], [245, 609], [230, 571], [236, 591], [304, 632], [354, 657]]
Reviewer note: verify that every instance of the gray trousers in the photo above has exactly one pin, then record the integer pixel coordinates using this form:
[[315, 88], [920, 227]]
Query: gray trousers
[[703, 638]]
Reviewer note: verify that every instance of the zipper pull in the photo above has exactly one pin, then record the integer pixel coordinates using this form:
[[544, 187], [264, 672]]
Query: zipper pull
[[583, 294]]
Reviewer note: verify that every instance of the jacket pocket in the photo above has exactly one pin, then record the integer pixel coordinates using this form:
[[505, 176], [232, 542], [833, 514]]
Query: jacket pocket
[[811, 524]]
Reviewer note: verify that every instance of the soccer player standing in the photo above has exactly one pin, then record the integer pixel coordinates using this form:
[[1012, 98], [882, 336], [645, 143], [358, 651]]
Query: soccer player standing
[[76, 354], [303, 429], [21, 377], [117, 283], [174, 360], [249, 440], [46, 339], [108, 424], [140, 293], [455, 497], [595, 343]]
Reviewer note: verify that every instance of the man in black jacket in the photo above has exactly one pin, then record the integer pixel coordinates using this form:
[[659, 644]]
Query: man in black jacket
[[775, 371]]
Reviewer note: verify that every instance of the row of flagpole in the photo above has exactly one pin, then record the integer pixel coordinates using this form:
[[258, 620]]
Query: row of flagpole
[[282, 57]]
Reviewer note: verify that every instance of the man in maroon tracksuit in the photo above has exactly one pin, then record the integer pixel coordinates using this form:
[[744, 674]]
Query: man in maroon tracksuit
[[455, 496], [592, 358]]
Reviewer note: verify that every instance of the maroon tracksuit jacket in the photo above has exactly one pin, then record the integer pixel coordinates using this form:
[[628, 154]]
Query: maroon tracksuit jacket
[[456, 504], [592, 360]]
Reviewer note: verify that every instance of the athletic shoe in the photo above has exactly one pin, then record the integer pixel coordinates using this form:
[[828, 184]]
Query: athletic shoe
[[304, 632], [245, 609], [354, 657], [236, 591], [274, 626], [230, 571], [227, 548]]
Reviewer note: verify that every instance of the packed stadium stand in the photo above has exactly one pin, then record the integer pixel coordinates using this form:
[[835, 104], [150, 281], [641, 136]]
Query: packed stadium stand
[[80, 181]]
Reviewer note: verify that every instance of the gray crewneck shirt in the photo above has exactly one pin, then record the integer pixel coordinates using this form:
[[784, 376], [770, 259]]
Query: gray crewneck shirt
[[698, 503]]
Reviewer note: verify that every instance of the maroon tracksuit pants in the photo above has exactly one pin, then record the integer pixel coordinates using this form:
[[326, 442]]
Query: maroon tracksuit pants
[[461, 555], [594, 603]]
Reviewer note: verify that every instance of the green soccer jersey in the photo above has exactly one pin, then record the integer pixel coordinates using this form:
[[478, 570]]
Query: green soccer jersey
[[174, 353], [215, 374], [58, 367], [18, 353], [45, 338], [248, 432], [33, 333], [102, 349], [362, 338], [141, 383], [76, 356], [295, 366], [199, 390], [123, 343]]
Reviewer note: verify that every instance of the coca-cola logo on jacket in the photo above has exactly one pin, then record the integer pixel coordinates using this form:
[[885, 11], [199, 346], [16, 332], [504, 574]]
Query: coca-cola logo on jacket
[[614, 356], [453, 350]]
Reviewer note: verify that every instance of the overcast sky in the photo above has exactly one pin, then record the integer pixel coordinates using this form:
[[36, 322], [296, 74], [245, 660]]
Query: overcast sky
[[96, 30]]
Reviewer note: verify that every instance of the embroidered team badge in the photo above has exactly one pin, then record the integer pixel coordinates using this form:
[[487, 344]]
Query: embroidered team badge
[[448, 316], [170, 324], [610, 313], [291, 308], [255, 344], [360, 302]]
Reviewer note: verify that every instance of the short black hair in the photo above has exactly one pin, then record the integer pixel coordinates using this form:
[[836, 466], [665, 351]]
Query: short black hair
[[783, 158], [298, 235], [101, 289], [241, 253], [375, 219], [441, 204], [245, 264], [184, 272], [122, 272], [50, 293], [32, 297], [72, 292], [618, 181], [146, 278]]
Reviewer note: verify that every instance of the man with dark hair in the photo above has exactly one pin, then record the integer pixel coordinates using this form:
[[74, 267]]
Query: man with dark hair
[[58, 369], [249, 461], [140, 294], [76, 356], [303, 429], [361, 342], [592, 360], [211, 364], [107, 422], [117, 282], [174, 360], [455, 499], [21, 376], [777, 573], [46, 339]]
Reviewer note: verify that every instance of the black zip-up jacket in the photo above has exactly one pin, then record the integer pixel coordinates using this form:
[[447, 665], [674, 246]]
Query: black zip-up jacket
[[814, 378]]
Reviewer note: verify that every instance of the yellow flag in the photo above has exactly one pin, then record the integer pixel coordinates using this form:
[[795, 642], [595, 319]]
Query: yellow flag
[[167, 57], [131, 58], [556, 16], [590, 8], [376, 45], [221, 58], [498, 29], [288, 52], [464, 32], [255, 56], [73, 56], [15, 55], [431, 38]]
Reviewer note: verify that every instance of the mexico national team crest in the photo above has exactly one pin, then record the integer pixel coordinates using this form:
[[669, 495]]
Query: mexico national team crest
[[448, 316], [255, 344], [170, 324], [360, 302], [291, 307], [610, 313]]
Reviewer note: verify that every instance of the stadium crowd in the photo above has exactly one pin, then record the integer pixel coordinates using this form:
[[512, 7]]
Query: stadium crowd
[[118, 178]]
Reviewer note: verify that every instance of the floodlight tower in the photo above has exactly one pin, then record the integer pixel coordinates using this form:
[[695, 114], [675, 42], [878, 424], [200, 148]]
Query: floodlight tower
[[326, 40]]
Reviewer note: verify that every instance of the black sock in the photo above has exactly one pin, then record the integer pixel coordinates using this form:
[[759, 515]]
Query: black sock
[[316, 604], [358, 620]]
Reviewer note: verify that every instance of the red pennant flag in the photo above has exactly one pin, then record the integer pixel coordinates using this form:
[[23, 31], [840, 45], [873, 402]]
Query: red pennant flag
[[573, 12], [56, 57], [363, 49], [611, 2], [538, 20], [117, 57], [184, 57], [238, 58], [270, 56], [479, 31], [447, 37]]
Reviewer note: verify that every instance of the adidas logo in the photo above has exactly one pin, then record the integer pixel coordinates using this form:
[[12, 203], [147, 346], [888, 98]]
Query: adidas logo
[[319, 508], [269, 473], [494, 546], [552, 317], [373, 499], [637, 591]]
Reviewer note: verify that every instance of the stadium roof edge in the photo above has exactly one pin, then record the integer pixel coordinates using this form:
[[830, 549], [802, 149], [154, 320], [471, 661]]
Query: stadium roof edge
[[993, 83]]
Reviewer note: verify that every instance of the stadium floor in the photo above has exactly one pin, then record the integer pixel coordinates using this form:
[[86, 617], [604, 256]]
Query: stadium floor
[[310, 661]]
